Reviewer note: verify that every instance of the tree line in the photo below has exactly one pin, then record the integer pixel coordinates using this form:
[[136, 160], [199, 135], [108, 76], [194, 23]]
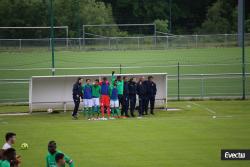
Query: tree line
[[170, 16]]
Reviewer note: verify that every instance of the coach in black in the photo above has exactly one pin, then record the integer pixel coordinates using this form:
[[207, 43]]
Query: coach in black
[[141, 92], [132, 95], [125, 102], [150, 95], [77, 94]]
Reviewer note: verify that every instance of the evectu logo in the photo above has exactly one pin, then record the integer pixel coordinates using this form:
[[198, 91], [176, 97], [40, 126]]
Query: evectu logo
[[235, 154]]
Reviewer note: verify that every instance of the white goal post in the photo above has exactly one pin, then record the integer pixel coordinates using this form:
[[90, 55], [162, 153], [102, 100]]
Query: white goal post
[[55, 92]]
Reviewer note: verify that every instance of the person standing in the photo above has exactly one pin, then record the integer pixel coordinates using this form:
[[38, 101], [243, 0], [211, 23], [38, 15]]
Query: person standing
[[114, 102], [141, 92], [96, 93], [125, 101], [10, 139], [77, 94], [87, 99], [132, 95], [120, 87], [151, 92], [105, 99]]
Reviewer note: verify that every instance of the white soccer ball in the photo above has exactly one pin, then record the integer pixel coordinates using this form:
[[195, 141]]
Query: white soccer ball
[[214, 117], [24, 146], [50, 110]]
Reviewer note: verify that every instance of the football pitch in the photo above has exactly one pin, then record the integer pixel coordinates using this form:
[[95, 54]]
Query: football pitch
[[190, 137], [34, 62]]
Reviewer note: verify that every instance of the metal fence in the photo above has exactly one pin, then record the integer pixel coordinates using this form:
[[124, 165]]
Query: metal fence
[[127, 43], [191, 86]]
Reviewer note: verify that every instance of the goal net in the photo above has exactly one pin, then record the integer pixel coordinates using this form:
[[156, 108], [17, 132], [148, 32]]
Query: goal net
[[118, 30], [55, 92], [32, 32]]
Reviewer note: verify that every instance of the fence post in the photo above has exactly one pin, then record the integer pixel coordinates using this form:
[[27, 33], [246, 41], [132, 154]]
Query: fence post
[[80, 46], [49, 43], [196, 40], [225, 39], [155, 35], [20, 43], [67, 37], [109, 43], [83, 36], [167, 41], [138, 42], [178, 81], [116, 43], [202, 86], [120, 69]]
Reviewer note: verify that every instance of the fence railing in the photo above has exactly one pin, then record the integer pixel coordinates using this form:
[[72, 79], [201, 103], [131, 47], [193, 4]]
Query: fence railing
[[122, 43], [191, 86], [207, 86]]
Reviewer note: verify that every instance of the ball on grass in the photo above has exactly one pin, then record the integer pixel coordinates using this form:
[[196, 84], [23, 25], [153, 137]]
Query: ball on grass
[[24, 146], [214, 117], [50, 110]]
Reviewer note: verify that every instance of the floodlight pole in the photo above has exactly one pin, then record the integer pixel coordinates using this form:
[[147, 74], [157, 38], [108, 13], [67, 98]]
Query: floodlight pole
[[52, 36], [241, 42], [170, 15], [242, 3]]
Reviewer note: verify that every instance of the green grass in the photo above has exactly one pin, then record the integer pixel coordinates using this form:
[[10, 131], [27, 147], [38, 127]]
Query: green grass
[[189, 137], [72, 59]]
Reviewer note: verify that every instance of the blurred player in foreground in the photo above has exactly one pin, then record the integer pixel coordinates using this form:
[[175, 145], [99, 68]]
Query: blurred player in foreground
[[10, 139], [51, 157], [60, 161], [8, 158]]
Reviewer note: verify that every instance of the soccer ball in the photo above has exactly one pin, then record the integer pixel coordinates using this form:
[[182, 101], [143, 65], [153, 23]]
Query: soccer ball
[[214, 117], [24, 146], [50, 110]]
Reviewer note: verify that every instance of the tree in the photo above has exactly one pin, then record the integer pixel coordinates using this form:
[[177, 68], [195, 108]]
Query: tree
[[221, 18], [72, 13], [161, 25]]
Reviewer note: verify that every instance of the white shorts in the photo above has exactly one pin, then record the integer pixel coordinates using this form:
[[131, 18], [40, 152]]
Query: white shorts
[[87, 103], [114, 103], [96, 101]]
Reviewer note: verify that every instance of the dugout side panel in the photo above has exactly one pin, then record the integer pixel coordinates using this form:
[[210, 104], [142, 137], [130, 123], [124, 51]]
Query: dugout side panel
[[55, 92]]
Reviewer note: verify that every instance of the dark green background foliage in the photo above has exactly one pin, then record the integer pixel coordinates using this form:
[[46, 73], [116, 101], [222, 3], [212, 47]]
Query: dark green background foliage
[[200, 16]]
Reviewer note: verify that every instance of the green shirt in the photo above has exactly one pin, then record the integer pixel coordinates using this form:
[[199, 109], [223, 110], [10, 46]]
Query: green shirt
[[120, 85], [51, 162], [96, 91], [4, 163]]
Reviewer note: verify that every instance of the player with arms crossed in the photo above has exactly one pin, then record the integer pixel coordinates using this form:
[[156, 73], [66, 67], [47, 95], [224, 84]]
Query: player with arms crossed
[[150, 97], [105, 99], [52, 154], [114, 102], [96, 93], [87, 99], [132, 95]]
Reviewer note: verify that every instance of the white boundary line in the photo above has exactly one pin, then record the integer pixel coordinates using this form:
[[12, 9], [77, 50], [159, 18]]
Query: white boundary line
[[206, 108]]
